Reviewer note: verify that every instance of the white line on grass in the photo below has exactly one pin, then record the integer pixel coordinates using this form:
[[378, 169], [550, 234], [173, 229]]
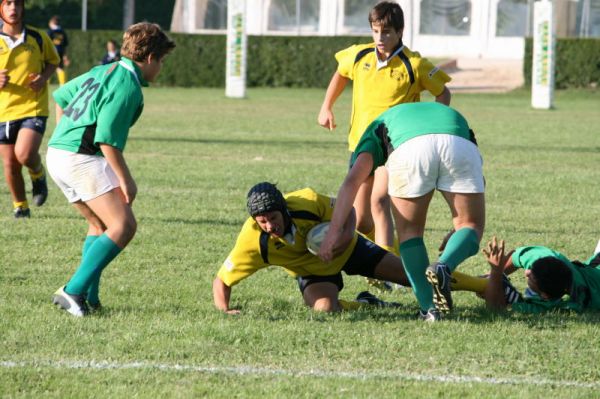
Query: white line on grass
[[249, 370]]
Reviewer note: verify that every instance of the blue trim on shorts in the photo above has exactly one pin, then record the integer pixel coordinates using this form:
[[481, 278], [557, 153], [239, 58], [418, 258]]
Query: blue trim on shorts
[[365, 256], [35, 123]]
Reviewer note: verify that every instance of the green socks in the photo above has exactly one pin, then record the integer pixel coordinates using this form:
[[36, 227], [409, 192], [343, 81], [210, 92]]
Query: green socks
[[97, 256], [92, 293], [415, 260], [463, 244]]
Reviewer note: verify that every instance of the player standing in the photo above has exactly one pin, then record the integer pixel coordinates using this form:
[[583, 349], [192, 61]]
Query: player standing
[[27, 60], [425, 146], [85, 155], [61, 41], [384, 73]]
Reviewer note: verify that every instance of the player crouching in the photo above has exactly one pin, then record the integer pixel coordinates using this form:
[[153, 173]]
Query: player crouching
[[275, 234]]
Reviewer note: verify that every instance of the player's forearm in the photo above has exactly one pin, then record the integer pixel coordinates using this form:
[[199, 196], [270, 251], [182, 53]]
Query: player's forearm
[[343, 205], [445, 97], [494, 292], [59, 112], [348, 232], [221, 294], [115, 159], [335, 88], [48, 71]]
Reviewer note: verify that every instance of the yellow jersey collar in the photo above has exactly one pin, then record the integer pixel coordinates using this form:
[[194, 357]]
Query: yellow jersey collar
[[290, 237], [384, 63], [134, 69], [13, 43]]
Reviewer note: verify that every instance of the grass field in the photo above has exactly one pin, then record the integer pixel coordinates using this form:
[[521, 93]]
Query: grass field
[[194, 155]]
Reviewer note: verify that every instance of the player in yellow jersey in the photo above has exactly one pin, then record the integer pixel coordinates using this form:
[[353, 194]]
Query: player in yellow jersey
[[384, 73], [27, 60], [275, 234]]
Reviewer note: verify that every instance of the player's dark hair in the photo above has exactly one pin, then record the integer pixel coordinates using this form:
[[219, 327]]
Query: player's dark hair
[[553, 276], [387, 14], [265, 197], [144, 39]]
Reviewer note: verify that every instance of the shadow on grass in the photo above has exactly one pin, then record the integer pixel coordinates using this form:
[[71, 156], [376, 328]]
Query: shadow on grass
[[263, 143], [190, 220], [153, 219], [556, 320], [550, 149]]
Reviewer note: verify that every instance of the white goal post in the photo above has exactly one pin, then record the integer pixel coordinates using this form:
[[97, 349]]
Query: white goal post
[[235, 78], [542, 74]]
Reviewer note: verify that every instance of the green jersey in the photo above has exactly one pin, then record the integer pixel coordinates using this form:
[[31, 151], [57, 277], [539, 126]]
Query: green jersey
[[99, 107], [406, 121], [585, 292]]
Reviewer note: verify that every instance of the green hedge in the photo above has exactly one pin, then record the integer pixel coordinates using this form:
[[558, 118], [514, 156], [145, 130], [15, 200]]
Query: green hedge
[[577, 63], [276, 61], [199, 60]]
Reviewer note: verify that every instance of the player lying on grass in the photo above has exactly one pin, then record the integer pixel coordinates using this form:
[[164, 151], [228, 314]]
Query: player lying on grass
[[424, 146], [275, 234], [553, 281], [85, 155]]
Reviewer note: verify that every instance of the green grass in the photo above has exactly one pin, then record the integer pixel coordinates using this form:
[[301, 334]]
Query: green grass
[[194, 155]]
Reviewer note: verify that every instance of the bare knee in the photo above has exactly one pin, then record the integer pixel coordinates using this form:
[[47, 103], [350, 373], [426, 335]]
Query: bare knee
[[25, 157], [380, 203], [326, 305], [124, 231], [96, 227]]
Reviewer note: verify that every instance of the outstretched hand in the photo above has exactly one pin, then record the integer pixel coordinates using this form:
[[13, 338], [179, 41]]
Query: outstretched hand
[[495, 255]]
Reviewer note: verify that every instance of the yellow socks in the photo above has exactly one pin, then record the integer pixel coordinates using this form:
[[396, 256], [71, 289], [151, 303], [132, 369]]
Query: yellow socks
[[62, 76], [21, 204], [465, 282], [37, 174], [349, 305]]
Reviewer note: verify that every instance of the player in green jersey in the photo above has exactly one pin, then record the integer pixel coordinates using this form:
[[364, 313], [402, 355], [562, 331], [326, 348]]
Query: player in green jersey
[[553, 281], [425, 146], [85, 155]]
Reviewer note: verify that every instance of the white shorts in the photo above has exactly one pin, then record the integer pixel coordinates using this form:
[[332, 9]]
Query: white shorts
[[435, 161], [79, 176]]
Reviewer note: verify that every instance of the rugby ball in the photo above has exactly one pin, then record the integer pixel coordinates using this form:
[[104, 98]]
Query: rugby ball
[[315, 237]]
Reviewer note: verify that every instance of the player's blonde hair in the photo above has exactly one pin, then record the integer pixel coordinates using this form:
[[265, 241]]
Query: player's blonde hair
[[144, 39]]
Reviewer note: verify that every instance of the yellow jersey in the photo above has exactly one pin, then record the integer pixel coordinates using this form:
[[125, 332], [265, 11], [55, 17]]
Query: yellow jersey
[[28, 54], [379, 85], [255, 250]]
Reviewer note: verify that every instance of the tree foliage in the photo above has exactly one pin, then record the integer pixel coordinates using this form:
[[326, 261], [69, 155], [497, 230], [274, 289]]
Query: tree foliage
[[102, 14]]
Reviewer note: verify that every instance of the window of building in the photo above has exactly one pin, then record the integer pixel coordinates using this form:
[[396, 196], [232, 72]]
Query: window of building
[[512, 18], [588, 18], [356, 16], [211, 14], [299, 16], [445, 17]]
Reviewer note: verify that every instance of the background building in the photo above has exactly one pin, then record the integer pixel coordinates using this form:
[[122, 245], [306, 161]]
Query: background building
[[439, 28]]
